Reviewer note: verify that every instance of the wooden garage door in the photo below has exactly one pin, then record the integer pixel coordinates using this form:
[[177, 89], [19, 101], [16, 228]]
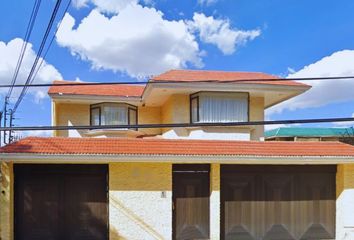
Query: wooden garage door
[[61, 202], [277, 202], [191, 201]]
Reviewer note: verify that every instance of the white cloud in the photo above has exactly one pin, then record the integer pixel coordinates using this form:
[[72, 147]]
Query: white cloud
[[137, 41], [219, 32], [207, 2], [323, 92], [344, 124], [79, 3], [106, 6], [9, 53], [109, 6], [77, 79], [291, 70], [274, 126], [37, 133]]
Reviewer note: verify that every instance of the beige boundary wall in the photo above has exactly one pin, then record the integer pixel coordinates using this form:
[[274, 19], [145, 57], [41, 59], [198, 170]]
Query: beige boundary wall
[[140, 201]]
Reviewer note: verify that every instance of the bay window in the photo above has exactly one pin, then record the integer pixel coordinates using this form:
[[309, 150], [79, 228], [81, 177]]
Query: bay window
[[113, 114], [212, 107]]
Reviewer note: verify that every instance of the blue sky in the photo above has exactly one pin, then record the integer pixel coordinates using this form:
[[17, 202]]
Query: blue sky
[[100, 41]]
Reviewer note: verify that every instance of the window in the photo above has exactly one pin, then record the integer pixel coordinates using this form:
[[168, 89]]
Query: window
[[113, 114], [219, 107]]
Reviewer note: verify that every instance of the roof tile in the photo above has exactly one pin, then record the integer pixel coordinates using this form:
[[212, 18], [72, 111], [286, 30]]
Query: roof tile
[[60, 145], [203, 75], [127, 90], [122, 90]]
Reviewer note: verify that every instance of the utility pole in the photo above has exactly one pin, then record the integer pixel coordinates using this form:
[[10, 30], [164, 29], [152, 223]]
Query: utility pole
[[11, 137], [8, 114], [5, 118], [1, 115]]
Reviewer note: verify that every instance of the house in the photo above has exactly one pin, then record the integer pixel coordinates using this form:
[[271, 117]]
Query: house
[[175, 183], [345, 135]]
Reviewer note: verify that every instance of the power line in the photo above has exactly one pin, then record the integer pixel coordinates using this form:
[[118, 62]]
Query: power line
[[173, 82], [29, 29], [44, 39], [49, 45], [28, 33], [179, 125]]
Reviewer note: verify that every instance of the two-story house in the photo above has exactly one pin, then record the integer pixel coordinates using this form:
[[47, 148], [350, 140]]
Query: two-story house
[[192, 182]]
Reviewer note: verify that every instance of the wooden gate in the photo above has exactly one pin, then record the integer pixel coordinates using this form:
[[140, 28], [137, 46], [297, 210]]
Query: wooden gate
[[277, 202], [191, 201], [55, 202]]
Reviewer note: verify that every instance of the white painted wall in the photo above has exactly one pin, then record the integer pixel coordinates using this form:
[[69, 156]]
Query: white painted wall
[[345, 215], [138, 215], [140, 201], [208, 134]]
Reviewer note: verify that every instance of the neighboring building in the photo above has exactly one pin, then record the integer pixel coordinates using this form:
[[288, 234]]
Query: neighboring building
[[345, 135], [175, 183]]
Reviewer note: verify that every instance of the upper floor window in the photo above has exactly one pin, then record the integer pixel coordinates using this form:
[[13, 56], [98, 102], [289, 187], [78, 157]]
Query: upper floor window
[[113, 114], [219, 107]]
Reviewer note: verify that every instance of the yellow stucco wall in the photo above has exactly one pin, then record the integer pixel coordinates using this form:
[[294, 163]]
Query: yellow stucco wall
[[345, 178], [149, 115], [71, 114], [140, 201], [79, 114], [175, 110], [256, 113], [6, 201]]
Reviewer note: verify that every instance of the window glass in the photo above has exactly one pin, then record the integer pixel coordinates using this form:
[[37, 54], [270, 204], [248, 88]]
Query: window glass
[[194, 110], [113, 114], [222, 107], [95, 116]]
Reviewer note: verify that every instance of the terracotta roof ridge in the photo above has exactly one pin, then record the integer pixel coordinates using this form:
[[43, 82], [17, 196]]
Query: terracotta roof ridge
[[182, 147], [143, 84], [182, 140], [220, 71]]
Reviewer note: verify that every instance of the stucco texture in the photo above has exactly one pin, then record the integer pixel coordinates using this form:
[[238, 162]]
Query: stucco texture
[[6, 201], [140, 201], [345, 202], [175, 110], [71, 115], [149, 115], [256, 113]]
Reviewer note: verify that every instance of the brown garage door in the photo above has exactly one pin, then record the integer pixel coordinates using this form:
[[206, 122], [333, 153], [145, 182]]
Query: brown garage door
[[277, 202], [191, 201], [61, 202]]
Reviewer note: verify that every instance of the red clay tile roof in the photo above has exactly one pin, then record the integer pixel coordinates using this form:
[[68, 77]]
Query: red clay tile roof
[[202, 75], [101, 90], [59, 145], [126, 90]]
